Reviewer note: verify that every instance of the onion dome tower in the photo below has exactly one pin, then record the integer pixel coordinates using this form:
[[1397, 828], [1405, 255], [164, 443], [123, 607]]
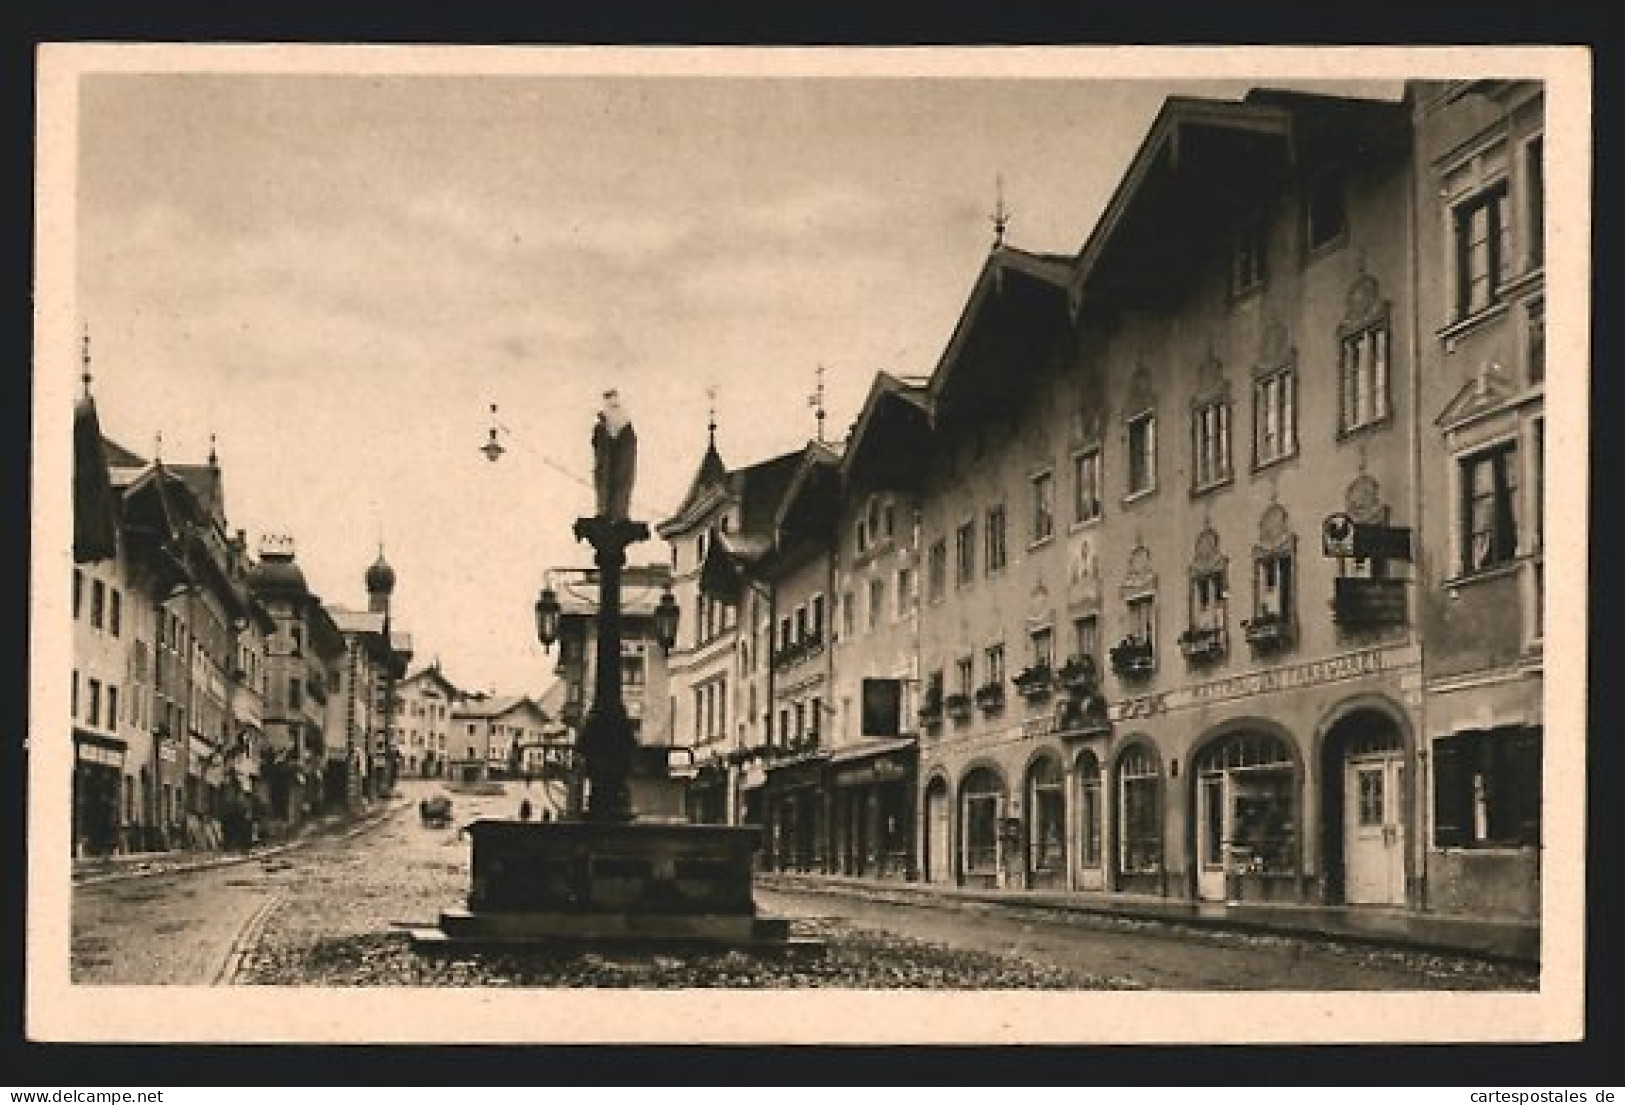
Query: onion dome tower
[[380, 584]]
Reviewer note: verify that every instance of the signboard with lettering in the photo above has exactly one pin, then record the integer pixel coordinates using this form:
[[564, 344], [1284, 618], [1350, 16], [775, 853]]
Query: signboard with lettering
[[1382, 542], [1360, 601], [1349, 665]]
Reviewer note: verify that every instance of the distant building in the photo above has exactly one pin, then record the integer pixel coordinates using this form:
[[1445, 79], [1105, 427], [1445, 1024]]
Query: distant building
[[367, 708], [721, 665], [877, 689], [496, 737], [304, 666], [800, 570], [423, 724]]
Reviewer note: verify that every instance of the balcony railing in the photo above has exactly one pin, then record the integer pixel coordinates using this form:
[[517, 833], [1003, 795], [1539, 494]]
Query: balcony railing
[[1079, 672], [1362, 603], [797, 651], [1204, 644], [990, 696], [958, 706], [931, 710], [1133, 658]]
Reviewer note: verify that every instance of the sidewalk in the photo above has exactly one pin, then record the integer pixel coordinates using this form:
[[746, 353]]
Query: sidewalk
[[1510, 940], [88, 872]]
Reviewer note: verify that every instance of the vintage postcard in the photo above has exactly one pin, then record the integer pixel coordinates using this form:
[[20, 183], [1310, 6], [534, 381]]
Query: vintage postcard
[[832, 546]]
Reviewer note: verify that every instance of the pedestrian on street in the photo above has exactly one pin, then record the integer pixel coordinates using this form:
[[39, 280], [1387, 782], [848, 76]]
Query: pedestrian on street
[[524, 810]]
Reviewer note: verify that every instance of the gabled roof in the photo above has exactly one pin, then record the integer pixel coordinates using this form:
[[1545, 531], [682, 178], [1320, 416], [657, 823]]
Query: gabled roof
[[761, 487], [890, 441], [1016, 307], [1205, 160], [433, 674], [814, 489], [496, 706], [206, 484], [1160, 154], [756, 488], [120, 457], [705, 490]]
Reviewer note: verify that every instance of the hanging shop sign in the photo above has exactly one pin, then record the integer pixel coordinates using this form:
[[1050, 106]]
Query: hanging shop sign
[[882, 769], [1342, 536]]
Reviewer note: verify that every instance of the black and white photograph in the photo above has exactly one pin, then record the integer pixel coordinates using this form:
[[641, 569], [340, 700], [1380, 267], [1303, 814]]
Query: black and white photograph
[[808, 546]]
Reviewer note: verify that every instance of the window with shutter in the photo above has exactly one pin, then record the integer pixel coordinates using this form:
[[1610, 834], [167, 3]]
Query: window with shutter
[[1452, 793]]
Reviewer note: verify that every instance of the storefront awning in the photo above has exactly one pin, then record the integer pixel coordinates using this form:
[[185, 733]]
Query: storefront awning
[[870, 748], [874, 762]]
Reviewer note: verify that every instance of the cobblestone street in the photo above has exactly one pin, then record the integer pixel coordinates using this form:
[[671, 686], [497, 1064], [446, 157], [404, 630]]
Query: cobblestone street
[[332, 912]]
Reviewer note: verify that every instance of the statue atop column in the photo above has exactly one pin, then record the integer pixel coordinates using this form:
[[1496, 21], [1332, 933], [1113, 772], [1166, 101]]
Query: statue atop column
[[615, 456]]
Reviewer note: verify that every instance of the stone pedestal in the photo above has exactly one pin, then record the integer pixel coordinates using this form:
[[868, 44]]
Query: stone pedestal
[[636, 883]]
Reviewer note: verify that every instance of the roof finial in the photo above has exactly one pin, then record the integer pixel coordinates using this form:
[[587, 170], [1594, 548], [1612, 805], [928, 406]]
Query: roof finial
[[158, 446], [816, 401], [84, 357], [1001, 213], [214, 457], [711, 420]]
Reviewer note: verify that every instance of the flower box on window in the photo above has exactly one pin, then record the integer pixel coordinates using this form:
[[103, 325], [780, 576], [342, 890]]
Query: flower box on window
[[931, 711], [990, 696], [1268, 631], [1203, 644], [1133, 658], [1359, 602], [1078, 673], [1035, 682], [958, 706]]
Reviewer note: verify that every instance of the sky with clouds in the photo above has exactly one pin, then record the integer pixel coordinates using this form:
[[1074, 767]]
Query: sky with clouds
[[337, 275]]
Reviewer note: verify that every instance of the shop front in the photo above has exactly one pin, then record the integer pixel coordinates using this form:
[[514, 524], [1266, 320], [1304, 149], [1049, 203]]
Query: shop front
[[1487, 750], [1247, 812], [796, 819], [705, 794], [1294, 784], [874, 785], [97, 787]]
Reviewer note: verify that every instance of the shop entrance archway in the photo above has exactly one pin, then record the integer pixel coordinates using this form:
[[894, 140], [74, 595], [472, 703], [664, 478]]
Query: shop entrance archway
[[1246, 817], [982, 803], [1365, 809]]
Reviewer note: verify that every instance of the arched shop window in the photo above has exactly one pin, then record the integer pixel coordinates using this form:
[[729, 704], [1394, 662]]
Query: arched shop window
[[1089, 810], [1247, 782], [1139, 803], [981, 802], [1046, 801]]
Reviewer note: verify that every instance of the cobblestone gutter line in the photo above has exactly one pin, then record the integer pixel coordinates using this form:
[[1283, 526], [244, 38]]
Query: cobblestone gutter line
[[247, 940], [137, 870]]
